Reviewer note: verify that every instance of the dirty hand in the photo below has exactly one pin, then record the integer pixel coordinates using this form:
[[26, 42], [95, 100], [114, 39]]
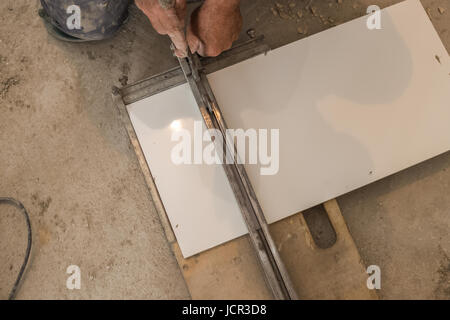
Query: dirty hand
[[214, 27], [167, 17]]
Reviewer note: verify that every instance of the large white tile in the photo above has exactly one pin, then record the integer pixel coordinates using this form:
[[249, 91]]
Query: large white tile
[[352, 106]]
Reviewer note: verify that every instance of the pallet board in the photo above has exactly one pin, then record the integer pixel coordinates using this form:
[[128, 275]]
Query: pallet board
[[353, 105]]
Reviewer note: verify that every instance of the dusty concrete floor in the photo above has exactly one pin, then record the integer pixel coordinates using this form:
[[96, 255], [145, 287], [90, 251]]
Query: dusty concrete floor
[[66, 156]]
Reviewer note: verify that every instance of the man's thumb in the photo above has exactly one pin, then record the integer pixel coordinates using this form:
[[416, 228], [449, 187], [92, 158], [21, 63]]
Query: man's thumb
[[195, 44], [179, 41]]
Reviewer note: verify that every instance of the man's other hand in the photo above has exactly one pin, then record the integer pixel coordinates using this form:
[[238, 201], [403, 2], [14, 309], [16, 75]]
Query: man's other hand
[[214, 27], [168, 18]]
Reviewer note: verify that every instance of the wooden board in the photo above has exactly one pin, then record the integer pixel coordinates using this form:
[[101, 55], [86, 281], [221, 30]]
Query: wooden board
[[231, 270]]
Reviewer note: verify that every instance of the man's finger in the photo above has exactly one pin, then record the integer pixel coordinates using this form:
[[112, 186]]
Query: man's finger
[[179, 40], [195, 44]]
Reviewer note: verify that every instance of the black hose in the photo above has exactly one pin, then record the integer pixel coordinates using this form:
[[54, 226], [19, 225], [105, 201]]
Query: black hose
[[19, 205]]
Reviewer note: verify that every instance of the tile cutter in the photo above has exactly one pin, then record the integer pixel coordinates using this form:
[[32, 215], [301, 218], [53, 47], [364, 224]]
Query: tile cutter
[[275, 272]]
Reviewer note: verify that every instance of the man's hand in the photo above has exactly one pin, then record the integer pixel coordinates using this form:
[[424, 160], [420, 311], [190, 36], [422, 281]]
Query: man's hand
[[214, 27], [168, 17]]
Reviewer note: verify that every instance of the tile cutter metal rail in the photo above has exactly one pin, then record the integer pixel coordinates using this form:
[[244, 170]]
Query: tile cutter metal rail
[[194, 71], [273, 267], [175, 77]]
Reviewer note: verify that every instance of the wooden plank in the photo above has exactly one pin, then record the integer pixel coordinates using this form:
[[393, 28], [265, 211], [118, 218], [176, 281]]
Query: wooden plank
[[231, 271], [333, 273]]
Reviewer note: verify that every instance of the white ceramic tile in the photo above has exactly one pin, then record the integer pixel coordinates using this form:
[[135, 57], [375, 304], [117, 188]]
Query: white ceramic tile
[[198, 199], [352, 105]]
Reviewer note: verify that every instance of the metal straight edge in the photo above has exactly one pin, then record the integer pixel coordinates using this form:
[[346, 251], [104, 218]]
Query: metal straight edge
[[275, 272], [254, 200], [175, 76]]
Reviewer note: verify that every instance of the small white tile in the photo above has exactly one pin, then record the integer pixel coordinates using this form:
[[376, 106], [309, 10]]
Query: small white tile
[[198, 199]]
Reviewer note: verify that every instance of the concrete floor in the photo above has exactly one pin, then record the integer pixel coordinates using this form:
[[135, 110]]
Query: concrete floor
[[66, 156]]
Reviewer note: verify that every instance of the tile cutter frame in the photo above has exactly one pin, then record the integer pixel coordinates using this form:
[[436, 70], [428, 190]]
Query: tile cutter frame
[[194, 70]]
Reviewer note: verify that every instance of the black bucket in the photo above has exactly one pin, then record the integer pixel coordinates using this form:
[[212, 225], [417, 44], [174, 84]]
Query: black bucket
[[100, 19]]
